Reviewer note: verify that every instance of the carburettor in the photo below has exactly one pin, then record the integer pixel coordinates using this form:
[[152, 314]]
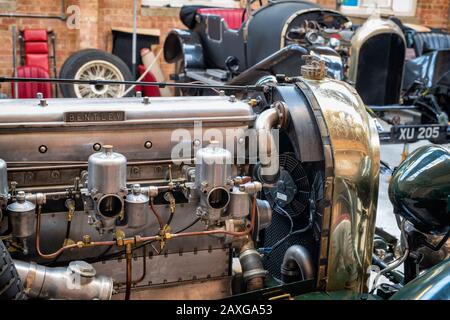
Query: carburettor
[[213, 181], [225, 198], [106, 188]]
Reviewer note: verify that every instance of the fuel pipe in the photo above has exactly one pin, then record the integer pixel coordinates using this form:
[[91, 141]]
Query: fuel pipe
[[129, 256], [129, 242], [80, 244]]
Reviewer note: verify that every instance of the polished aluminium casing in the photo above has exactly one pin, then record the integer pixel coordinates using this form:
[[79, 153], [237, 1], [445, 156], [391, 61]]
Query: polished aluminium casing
[[136, 208], [239, 203], [78, 281], [25, 126], [352, 164], [107, 172], [213, 167], [3, 178], [213, 172], [22, 216]]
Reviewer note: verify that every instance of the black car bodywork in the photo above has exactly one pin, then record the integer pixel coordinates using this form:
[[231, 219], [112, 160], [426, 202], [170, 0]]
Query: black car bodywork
[[272, 40]]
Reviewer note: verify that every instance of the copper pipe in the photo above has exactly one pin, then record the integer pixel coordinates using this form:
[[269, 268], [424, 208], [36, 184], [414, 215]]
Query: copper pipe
[[63, 248], [142, 239], [38, 240], [157, 215], [211, 232], [144, 266], [144, 272], [129, 255]]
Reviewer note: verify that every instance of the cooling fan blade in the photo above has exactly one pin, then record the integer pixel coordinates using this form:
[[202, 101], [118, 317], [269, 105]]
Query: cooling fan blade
[[291, 192]]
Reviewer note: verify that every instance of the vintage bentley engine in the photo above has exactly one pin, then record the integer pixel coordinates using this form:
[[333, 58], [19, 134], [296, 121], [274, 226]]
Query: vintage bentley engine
[[213, 196]]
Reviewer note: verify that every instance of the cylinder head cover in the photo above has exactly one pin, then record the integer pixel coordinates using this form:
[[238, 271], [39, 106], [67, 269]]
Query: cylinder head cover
[[22, 216], [107, 171], [3, 178], [213, 167]]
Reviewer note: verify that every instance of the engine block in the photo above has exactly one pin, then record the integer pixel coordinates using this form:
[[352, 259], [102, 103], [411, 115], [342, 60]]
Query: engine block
[[152, 194]]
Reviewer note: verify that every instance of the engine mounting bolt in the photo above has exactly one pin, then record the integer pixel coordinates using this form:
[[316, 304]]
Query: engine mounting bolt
[[241, 140], [146, 100], [232, 98], [197, 143], [97, 147], [148, 144], [43, 102], [39, 96], [222, 93], [43, 149], [138, 94], [55, 174]]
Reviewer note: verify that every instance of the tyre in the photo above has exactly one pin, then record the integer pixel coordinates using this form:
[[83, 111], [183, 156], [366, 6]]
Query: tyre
[[10, 284], [93, 64]]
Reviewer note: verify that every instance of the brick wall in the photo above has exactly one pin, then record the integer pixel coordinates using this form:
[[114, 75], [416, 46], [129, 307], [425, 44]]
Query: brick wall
[[99, 16], [434, 13]]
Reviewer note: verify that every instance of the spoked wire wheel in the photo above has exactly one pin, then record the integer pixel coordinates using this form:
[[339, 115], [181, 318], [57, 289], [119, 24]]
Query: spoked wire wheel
[[99, 70], [93, 64]]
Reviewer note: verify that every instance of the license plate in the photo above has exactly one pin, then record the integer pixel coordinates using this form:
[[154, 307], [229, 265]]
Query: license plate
[[413, 133]]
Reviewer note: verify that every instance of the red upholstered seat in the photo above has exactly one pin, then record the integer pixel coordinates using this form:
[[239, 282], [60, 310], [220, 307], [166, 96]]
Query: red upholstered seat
[[233, 17], [30, 89], [35, 35], [36, 48], [37, 60], [148, 91]]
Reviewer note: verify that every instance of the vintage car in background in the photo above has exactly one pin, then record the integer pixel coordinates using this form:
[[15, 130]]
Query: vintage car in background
[[235, 46]]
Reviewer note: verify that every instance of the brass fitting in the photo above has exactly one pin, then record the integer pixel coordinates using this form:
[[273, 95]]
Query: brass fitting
[[87, 240], [168, 196], [314, 68], [171, 184], [253, 103], [70, 205], [151, 191], [119, 235]]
